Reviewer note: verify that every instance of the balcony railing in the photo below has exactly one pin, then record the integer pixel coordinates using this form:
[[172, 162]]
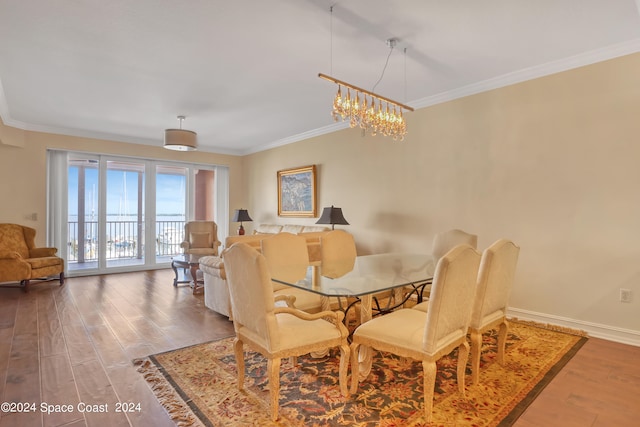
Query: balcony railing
[[125, 240]]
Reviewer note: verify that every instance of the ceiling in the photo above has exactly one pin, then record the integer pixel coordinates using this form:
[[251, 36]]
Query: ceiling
[[245, 73]]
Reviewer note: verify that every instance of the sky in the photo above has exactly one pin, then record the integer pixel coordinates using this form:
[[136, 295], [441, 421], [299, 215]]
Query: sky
[[122, 193]]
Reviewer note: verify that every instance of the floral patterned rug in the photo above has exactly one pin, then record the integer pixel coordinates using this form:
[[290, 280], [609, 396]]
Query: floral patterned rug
[[198, 385]]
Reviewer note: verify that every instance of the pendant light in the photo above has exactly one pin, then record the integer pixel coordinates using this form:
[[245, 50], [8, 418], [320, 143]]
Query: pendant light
[[180, 139]]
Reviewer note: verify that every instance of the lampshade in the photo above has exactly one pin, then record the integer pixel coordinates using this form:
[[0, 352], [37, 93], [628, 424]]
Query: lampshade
[[332, 216], [180, 139], [241, 215]]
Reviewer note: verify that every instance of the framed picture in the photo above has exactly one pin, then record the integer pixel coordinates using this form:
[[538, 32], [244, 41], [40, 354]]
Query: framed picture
[[297, 192]]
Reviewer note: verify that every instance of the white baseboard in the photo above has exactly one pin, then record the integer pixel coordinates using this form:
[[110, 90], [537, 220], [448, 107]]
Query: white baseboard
[[596, 330]]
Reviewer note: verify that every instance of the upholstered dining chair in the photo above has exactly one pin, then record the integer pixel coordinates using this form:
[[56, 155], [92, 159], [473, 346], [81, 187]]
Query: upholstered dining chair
[[337, 258], [443, 242], [338, 253], [495, 280], [288, 259], [276, 332], [21, 260], [200, 238], [428, 336]]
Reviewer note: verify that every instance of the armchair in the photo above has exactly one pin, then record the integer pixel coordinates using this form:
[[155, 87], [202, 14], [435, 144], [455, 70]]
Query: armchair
[[276, 332], [21, 261], [200, 238]]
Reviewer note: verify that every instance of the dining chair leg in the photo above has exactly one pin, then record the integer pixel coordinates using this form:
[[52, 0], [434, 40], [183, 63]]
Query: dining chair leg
[[502, 340], [463, 357], [476, 352], [429, 369], [273, 369], [239, 353]]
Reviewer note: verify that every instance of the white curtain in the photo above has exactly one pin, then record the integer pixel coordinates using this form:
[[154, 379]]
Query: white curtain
[[57, 217]]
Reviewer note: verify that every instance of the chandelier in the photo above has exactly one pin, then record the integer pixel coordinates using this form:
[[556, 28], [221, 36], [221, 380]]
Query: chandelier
[[367, 110]]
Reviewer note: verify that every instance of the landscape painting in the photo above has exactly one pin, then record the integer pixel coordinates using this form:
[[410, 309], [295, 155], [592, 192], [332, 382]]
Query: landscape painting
[[297, 192]]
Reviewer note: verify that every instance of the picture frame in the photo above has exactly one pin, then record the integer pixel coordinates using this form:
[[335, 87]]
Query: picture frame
[[297, 192]]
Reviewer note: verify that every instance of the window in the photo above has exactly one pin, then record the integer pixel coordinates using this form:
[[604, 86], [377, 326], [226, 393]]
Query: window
[[113, 224]]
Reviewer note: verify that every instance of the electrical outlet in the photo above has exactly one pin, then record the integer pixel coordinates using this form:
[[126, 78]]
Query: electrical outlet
[[625, 295]]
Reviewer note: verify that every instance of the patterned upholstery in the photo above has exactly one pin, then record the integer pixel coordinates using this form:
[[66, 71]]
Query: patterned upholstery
[[276, 332], [21, 261]]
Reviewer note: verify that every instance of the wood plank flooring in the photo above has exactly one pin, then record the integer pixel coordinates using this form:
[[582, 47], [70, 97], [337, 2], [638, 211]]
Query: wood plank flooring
[[74, 345]]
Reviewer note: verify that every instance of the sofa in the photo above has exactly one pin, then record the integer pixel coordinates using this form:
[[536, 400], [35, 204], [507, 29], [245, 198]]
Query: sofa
[[216, 291]]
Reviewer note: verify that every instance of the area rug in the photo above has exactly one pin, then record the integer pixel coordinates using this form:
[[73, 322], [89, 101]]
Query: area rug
[[198, 385]]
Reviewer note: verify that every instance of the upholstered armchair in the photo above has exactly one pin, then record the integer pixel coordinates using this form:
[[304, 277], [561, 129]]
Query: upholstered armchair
[[21, 261], [200, 238], [428, 336], [276, 332]]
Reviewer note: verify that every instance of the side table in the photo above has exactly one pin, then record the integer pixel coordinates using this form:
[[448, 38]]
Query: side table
[[192, 262]]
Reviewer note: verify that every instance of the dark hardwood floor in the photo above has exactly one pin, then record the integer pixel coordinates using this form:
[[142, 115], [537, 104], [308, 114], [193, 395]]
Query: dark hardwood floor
[[74, 345]]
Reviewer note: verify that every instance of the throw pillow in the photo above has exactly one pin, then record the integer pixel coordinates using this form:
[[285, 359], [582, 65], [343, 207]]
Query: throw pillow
[[200, 240]]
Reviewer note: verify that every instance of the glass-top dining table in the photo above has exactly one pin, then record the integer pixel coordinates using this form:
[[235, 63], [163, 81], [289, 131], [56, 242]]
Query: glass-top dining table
[[399, 273]]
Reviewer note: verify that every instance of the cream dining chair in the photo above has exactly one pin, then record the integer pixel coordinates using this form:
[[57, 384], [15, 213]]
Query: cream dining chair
[[338, 253], [288, 260], [428, 336], [443, 242], [276, 332], [495, 280], [337, 258]]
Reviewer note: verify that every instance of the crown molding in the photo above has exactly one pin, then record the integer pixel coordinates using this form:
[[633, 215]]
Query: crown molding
[[299, 137], [565, 64], [576, 61]]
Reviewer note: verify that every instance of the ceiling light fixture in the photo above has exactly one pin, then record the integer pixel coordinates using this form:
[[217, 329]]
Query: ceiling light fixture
[[374, 113], [381, 115], [180, 139]]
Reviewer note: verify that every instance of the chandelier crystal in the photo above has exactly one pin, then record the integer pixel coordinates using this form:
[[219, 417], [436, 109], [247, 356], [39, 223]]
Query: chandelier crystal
[[367, 110]]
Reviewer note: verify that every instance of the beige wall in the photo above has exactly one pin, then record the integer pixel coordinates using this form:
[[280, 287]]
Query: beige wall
[[23, 170], [549, 163]]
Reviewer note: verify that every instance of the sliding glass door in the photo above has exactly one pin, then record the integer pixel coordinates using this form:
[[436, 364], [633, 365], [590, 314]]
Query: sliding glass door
[[129, 214], [125, 207], [171, 210], [83, 209]]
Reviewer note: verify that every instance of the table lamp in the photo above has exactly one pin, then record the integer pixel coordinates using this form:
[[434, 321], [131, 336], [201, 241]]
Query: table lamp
[[241, 215], [332, 216]]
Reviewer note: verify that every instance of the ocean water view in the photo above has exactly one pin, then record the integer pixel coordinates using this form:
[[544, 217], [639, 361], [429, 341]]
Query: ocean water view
[[125, 236]]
